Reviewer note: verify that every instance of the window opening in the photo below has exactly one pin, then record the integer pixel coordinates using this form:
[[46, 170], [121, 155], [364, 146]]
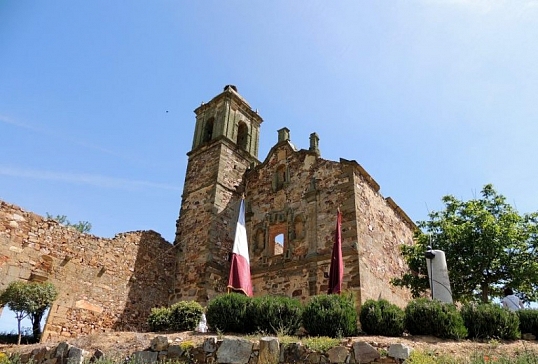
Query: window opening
[[242, 136], [279, 244], [208, 130]]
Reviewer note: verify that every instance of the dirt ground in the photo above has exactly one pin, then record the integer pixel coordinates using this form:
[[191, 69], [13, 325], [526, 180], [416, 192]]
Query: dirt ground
[[121, 344]]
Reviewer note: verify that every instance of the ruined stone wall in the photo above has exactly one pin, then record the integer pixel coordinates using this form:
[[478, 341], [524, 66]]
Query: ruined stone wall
[[103, 284], [381, 229]]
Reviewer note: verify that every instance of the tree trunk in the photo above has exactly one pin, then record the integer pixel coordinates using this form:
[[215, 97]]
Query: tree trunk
[[485, 292], [36, 325]]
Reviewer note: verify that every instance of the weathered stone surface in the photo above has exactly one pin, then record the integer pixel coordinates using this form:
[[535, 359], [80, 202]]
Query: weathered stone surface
[[292, 194], [39, 354], [365, 353], [144, 357], [159, 343], [175, 351], [399, 351], [75, 355], [234, 351], [269, 351], [62, 350], [292, 353], [210, 344], [97, 355], [338, 354], [104, 284], [314, 358]]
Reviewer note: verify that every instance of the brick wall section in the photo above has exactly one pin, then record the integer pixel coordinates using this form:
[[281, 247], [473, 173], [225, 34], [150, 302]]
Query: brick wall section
[[103, 284]]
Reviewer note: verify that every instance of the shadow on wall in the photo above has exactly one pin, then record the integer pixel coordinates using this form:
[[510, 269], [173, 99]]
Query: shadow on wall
[[150, 284]]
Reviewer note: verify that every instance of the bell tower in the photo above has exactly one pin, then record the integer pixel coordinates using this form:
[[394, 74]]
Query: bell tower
[[225, 144]]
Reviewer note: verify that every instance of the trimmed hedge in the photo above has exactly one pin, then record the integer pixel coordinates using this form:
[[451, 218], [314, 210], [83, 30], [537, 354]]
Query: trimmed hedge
[[486, 321], [275, 314], [382, 318], [330, 315], [228, 313], [431, 317], [528, 321]]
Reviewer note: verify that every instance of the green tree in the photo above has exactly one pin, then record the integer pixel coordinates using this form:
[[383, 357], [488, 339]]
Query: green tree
[[29, 299], [487, 243], [82, 226]]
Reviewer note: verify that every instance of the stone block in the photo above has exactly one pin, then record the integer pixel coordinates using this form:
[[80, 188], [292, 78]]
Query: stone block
[[338, 354], [365, 353], [399, 351], [234, 351], [145, 357], [269, 351]]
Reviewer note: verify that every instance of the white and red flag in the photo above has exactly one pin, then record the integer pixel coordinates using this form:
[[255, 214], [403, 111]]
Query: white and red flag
[[239, 279]]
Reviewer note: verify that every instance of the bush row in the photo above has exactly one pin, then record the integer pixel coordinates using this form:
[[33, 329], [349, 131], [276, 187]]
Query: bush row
[[430, 317], [324, 315], [336, 316]]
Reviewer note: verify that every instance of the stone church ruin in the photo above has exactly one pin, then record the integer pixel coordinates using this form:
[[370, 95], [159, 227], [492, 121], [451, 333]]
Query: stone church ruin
[[291, 201]]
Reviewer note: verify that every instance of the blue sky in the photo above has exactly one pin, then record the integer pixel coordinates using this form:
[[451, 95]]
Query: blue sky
[[97, 97]]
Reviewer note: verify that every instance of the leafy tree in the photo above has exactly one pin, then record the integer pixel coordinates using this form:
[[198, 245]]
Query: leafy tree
[[29, 299], [487, 243], [82, 226]]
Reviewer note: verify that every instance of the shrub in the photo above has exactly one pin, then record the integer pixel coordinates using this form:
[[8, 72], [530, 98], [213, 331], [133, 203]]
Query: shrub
[[330, 315], [528, 321], [228, 313], [382, 318], [487, 321], [159, 319], [185, 315], [431, 317], [275, 314]]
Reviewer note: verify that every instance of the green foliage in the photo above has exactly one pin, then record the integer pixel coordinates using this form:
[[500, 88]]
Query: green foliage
[[228, 313], [331, 315], [159, 319], [486, 321], [423, 357], [487, 245], [275, 314], [528, 321], [185, 315], [29, 299], [81, 226], [181, 316], [381, 318], [431, 317], [321, 343]]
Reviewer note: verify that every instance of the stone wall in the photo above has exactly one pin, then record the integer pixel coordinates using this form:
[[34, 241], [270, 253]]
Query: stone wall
[[103, 284], [302, 207]]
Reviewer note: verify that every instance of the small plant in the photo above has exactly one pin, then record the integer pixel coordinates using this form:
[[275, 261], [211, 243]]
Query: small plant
[[382, 318], [185, 315], [228, 313], [488, 321], [275, 314], [331, 315], [320, 343], [431, 317], [159, 319], [528, 321]]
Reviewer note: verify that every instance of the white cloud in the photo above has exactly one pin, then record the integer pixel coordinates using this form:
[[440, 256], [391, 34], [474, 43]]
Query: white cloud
[[82, 178]]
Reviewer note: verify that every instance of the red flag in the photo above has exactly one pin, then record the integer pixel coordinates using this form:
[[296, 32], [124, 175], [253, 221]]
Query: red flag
[[336, 272], [239, 279]]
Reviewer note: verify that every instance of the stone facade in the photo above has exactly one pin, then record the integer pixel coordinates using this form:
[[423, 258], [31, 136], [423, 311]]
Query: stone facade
[[291, 203], [103, 284]]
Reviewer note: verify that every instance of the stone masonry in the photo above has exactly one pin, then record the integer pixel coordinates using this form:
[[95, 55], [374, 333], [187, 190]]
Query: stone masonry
[[291, 203], [103, 284]]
